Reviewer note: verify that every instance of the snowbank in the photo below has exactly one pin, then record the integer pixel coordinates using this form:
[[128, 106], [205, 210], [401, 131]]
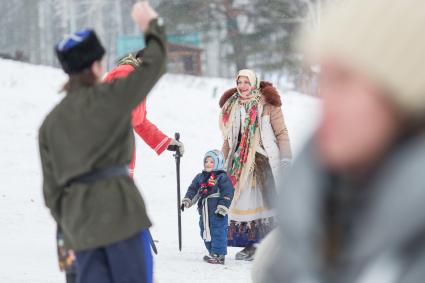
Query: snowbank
[[185, 104]]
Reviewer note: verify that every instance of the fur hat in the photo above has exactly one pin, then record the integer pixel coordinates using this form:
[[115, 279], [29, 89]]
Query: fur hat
[[218, 158], [251, 75], [79, 50], [385, 39]]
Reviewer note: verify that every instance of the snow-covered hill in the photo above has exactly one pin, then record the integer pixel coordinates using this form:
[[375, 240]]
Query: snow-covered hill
[[178, 103]]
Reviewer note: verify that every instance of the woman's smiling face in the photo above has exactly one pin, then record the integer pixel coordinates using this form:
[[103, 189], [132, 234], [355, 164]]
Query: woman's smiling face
[[244, 86]]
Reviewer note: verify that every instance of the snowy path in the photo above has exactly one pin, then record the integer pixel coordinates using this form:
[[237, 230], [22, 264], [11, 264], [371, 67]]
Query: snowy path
[[178, 103]]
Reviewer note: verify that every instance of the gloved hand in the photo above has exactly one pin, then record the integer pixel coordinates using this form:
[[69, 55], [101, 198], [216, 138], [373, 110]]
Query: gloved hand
[[176, 145], [186, 203], [221, 210]]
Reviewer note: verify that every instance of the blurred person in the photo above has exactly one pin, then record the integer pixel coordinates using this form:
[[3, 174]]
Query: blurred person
[[86, 144], [256, 145], [351, 207], [213, 192]]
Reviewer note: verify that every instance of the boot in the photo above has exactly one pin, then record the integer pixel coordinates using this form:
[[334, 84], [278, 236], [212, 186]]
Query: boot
[[207, 257], [214, 259], [246, 254]]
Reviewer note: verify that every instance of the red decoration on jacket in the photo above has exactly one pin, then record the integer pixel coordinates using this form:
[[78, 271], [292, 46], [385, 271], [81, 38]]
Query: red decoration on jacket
[[156, 139], [212, 180]]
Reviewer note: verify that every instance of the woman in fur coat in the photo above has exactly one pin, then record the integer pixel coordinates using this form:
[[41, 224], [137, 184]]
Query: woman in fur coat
[[256, 145]]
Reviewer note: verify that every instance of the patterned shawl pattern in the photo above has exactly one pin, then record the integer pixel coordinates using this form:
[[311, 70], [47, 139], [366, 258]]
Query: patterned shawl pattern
[[242, 160]]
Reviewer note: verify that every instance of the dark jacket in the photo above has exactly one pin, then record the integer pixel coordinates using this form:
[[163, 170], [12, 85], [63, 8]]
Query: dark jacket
[[336, 230], [90, 130], [208, 183]]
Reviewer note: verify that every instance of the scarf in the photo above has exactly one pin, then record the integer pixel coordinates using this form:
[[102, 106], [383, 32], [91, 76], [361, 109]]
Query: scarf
[[242, 160]]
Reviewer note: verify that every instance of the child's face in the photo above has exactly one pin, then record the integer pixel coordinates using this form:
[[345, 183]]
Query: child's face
[[209, 164]]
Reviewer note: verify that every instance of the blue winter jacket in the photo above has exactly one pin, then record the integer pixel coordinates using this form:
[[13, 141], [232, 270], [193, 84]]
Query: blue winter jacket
[[208, 183]]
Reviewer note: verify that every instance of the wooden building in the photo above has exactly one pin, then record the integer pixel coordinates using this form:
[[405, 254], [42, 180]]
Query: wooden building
[[184, 59]]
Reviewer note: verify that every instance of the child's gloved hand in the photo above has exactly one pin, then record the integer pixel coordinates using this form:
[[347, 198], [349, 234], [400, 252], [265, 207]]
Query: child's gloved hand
[[221, 210], [186, 203]]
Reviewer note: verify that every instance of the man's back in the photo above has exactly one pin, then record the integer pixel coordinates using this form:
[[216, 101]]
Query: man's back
[[90, 131]]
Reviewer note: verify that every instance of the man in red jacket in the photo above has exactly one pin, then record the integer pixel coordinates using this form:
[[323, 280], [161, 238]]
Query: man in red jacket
[[156, 139]]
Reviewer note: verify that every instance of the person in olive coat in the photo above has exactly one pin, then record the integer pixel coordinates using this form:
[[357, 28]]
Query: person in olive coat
[[86, 143]]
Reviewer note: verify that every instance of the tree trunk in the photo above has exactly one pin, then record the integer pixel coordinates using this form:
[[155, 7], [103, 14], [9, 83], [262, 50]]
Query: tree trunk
[[234, 35]]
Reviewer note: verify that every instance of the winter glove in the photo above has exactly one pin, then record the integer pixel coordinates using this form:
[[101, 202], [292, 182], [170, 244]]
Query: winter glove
[[176, 145], [186, 203], [221, 210]]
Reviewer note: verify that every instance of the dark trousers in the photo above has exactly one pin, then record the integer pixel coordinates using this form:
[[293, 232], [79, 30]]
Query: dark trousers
[[218, 228], [71, 278], [127, 261]]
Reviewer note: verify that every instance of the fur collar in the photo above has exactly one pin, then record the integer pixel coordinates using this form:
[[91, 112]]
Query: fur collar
[[268, 92], [129, 60]]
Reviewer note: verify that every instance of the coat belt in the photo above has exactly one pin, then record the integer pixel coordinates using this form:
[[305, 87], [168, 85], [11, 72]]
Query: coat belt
[[94, 176]]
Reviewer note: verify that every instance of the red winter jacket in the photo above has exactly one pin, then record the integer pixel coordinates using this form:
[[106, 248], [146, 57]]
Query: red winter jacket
[[156, 139]]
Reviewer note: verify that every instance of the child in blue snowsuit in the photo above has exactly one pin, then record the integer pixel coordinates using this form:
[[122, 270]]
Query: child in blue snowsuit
[[213, 191]]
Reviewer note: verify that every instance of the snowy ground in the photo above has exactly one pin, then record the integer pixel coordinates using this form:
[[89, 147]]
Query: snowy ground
[[178, 103]]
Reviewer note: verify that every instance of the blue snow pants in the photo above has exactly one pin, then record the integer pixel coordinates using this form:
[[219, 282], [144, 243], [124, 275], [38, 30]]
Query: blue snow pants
[[218, 230], [127, 261]]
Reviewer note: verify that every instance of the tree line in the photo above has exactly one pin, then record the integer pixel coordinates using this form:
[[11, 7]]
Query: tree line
[[249, 33]]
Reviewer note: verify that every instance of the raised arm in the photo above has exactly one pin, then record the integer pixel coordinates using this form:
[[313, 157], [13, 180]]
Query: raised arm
[[125, 94]]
